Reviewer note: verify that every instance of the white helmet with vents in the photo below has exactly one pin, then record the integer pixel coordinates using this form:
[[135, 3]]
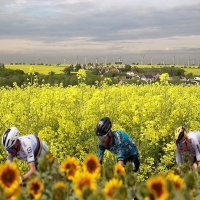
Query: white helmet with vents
[[10, 137]]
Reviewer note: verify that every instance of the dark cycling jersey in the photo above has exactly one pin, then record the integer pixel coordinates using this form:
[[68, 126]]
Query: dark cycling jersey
[[122, 146]]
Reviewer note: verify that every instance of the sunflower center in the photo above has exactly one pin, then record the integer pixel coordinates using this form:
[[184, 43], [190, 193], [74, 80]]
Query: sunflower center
[[177, 185], [111, 191], [72, 171], [8, 178], [84, 182], [58, 195], [91, 166], [157, 187], [35, 188]]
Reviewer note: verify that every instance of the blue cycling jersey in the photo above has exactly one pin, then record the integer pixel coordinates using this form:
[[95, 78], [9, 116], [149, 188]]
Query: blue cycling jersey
[[121, 145]]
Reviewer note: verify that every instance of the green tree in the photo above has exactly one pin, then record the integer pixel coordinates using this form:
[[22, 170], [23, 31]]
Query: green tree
[[2, 65], [67, 70], [126, 68], [77, 67]]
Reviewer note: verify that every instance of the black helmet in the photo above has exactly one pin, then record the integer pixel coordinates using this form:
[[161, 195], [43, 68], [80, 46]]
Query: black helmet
[[103, 126]]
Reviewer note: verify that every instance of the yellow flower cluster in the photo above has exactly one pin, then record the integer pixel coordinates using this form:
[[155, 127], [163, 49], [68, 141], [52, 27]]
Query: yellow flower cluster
[[85, 176]]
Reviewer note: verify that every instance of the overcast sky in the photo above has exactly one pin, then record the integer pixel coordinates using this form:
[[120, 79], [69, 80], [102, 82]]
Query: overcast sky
[[69, 30]]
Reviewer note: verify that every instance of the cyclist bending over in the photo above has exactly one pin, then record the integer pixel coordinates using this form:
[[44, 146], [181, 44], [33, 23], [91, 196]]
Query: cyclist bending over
[[27, 147], [117, 142], [187, 142]]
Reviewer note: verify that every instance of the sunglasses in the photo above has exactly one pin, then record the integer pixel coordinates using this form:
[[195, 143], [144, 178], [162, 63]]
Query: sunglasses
[[11, 150], [102, 137], [180, 143]]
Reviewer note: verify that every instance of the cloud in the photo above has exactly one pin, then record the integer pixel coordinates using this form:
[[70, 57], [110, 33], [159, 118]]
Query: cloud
[[88, 25]]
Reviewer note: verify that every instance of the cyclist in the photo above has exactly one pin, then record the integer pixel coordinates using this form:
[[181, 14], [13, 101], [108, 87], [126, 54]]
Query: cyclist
[[27, 147], [117, 142], [187, 143]]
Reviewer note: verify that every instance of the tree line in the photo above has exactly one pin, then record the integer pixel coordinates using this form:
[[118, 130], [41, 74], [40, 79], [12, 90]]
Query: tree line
[[94, 74]]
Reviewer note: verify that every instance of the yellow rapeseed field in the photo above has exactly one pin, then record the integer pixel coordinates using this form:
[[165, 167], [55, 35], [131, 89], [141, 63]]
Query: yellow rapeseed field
[[66, 119], [42, 69]]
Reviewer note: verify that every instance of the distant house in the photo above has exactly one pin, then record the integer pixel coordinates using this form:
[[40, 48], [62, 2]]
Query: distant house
[[156, 76], [104, 70], [142, 77], [132, 75], [90, 67], [197, 78], [121, 78], [184, 79], [114, 70], [149, 77]]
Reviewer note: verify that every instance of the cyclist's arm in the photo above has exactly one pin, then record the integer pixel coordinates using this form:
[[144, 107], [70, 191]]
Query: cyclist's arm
[[120, 156], [101, 151], [120, 162], [120, 148], [10, 157], [32, 170], [196, 146], [27, 147], [178, 157]]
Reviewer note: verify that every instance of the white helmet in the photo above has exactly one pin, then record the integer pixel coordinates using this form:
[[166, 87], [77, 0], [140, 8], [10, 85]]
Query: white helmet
[[10, 137]]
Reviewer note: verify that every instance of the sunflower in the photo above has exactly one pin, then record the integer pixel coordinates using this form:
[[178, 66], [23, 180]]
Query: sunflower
[[69, 167], [92, 165], [14, 195], [157, 186], [9, 178], [83, 181], [119, 169], [60, 185], [59, 189], [35, 188], [111, 187], [177, 181]]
